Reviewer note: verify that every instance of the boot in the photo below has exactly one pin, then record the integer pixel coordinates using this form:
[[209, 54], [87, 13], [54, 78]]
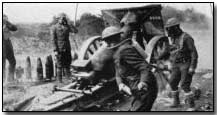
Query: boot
[[59, 75], [175, 97], [67, 73], [189, 101]]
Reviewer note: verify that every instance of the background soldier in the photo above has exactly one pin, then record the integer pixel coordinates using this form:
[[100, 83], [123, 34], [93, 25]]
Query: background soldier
[[183, 56], [129, 24], [8, 52], [133, 74], [62, 49]]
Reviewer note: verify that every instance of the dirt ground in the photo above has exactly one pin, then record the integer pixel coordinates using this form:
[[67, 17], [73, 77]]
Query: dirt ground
[[203, 80]]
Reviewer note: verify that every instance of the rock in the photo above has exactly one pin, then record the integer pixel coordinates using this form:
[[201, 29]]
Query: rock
[[197, 93], [208, 76], [208, 93]]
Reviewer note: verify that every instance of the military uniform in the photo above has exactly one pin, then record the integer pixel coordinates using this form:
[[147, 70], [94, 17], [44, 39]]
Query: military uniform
[[132, 68], [61, 43], [183, 56], [8, 52]]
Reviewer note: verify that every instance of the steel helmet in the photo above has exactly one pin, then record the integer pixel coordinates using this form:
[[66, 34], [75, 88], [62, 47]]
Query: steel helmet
[[110, 31], [61, 15], [172, 22], [130, 17]]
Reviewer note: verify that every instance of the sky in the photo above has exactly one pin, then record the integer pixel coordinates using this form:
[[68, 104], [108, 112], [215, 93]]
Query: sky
[[43, 12]]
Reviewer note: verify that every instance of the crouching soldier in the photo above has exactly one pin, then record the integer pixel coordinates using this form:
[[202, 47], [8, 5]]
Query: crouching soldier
[[133, 74], [183, 56], [8, 52], [62, 49]]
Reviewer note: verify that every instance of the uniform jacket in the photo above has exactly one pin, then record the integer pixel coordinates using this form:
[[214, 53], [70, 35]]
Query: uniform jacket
[[183, 48], [60, 37], [130, 65]]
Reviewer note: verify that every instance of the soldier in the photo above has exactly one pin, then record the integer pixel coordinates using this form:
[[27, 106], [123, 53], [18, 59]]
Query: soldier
[[8, 52], [160, 58], [62, 49], [129, 24], [183, 56], [133, 73]]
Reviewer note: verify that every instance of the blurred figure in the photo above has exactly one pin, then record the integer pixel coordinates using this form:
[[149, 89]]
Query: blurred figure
[[129, 24], [133, 74], [62, 49], [184, 57], [8, 52]]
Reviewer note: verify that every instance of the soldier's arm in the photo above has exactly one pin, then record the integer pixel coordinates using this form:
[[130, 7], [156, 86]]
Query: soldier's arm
[[136, 61], [73, 29], [194, 54], [54, 38], [11, 27], [117, 69]]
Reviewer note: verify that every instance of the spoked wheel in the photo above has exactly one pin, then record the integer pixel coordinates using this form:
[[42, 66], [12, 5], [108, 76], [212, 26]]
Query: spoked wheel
[[89, 47]]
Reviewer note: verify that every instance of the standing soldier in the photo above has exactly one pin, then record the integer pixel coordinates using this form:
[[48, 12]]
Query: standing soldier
[[184, 57], [62, 49], [8, 52], [133, 73]]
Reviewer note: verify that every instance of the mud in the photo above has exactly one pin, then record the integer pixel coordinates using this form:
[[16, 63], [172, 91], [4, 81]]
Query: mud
[[202, 81]]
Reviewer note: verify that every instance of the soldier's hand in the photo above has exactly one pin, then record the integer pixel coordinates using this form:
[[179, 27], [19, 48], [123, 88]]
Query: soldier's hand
[[142, 86], [125, 88], [55, 55], [191, 71]]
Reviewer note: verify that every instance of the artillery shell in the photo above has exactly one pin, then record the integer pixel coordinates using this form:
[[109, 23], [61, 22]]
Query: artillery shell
[[39, 70], [51, 65], [28, 71], [19, 72], [49, 68]]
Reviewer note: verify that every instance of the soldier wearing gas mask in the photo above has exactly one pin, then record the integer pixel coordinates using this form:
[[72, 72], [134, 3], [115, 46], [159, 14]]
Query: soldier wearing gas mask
[[60, 37], [184, 57], [133, 74], [8, 52]]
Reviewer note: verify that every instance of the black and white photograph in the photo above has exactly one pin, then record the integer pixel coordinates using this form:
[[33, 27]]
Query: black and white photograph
[[108, 57]]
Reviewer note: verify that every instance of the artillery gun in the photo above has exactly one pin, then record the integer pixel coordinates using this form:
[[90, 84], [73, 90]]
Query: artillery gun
[[93, 73]]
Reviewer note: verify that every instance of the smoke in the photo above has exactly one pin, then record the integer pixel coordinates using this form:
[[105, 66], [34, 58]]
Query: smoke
[[190, 16]]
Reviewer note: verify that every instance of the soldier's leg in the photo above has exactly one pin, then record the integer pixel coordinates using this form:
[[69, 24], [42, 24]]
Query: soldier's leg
[[144, 100], [12, 62], [67, 63], [186, 83], [175, 78], [59, 65], [148, 100], [174, 82], [186, 78]]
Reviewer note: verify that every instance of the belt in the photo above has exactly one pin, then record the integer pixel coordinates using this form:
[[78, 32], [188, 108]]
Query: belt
[[182, 60]]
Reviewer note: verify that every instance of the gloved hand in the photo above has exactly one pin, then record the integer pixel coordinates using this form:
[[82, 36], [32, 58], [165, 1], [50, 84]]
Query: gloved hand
[[55, 55], [125, 88], [191, 71], [142, 86]]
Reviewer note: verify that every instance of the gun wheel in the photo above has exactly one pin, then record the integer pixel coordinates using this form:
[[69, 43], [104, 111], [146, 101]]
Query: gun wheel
[[89, 47]]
